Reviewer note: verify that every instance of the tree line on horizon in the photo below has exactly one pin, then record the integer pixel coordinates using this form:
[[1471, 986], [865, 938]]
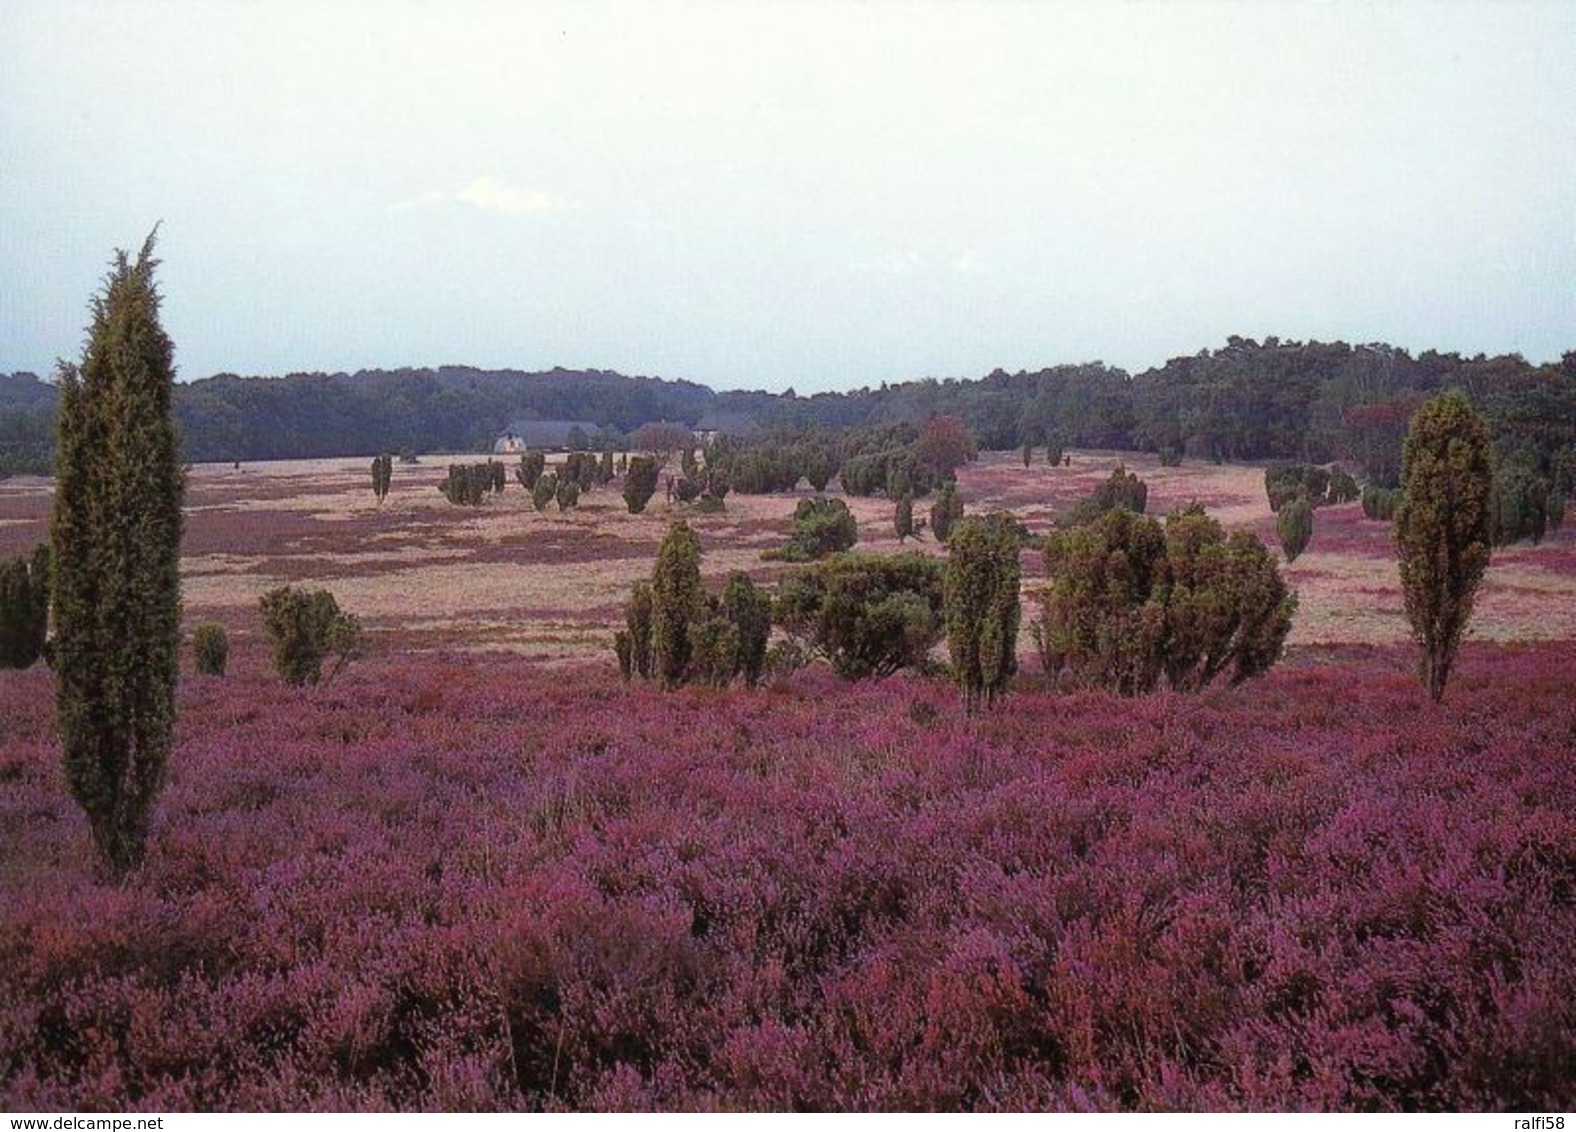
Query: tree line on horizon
[[1309, 402]]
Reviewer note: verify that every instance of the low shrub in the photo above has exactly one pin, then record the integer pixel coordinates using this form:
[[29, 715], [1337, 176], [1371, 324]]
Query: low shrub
[[210, 648]]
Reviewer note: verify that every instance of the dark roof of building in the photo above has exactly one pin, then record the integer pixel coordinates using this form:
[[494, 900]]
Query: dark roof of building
[[545, 434], [733, 424]]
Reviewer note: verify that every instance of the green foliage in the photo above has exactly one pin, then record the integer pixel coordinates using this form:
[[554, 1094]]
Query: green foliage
[[981, 603], [749, 611], [1170, 456], [1294, 525], [545, 491], [24, 608], [468, 485], [640, 483], [304, 627], [1444, 528], [1132, 603], [1123, 489], [903, 518], [583, 469], [382, 475], [677, 600], [867, 614], [946, 511], [1343, 488], [604, 468], [210, 648], [1379, 503], [1556, 510], [532, 465], [115, 559], [1055, 449], [638, 622], [821, 526], [568, 494], [1520, 504]]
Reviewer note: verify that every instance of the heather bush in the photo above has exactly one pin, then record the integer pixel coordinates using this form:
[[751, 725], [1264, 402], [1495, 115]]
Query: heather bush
[[210, 648], [532, 465], [304, 628], [830, 898], [866, 614], [640, 483], [24, 608], [1444, 526], [980, 597], [1123, 489], [821, 526], [1294, 525], [1132, 604], [946, 511]]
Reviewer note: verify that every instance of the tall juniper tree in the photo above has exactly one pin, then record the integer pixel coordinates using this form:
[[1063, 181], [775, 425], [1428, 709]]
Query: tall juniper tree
[[1444, 527], [116, 539]]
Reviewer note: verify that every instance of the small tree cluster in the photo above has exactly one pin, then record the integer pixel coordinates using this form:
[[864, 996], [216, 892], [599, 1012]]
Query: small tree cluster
[[678, 634], [305, 627], [532, 465], [210, 648], [866, 614], [1379, 503], [467, 486], [1320, 486], [980, 598], [1294, 525], [821, 526], [583, 469], [1123, 489], [24, 608], [1132, 604], [382, 475], [1520, 503], [946, 511], [640, 483]]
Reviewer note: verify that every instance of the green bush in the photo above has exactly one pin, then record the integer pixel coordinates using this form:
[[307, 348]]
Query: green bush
[[1520, 504], [545, 491], [866, 614], [903, 518], [1132, 604], [382, 475], [1294, 525], [1123, 489], [210, 648], [640, 483], [1170, 456], [305, 627], [568, 494], [1380, 503], [821, 526], [981, 603], [677, 600], [749, 611], [945, 511], [24, 608], [532, 465]]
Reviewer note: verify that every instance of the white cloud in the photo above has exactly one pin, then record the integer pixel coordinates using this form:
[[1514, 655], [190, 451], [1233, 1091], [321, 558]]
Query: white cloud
[[495, 196], [489, 195]]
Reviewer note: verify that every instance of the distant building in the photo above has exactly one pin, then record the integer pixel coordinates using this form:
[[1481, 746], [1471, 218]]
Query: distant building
[[521, 435], [736, 425]]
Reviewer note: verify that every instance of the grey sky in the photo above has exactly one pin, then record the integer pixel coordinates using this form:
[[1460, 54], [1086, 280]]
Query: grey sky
[[817, 194]]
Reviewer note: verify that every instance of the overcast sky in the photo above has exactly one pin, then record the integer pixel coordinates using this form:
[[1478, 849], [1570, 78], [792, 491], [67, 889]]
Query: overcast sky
[[822, 195]]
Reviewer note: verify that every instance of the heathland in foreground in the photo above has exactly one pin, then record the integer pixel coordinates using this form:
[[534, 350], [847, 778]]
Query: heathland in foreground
[[460, 883], [496, 876]]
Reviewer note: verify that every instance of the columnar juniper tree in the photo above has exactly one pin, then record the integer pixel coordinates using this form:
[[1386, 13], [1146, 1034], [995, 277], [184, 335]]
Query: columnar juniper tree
[[1444, 527], [981, 596], [116, 536]]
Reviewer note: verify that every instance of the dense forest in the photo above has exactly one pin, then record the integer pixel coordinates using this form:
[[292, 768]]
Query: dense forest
[[1272, 400]]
